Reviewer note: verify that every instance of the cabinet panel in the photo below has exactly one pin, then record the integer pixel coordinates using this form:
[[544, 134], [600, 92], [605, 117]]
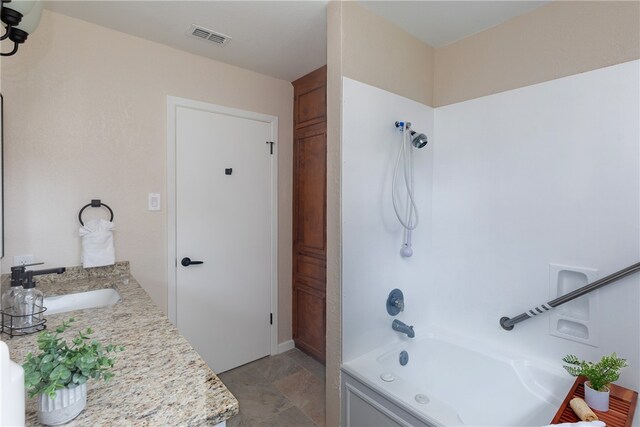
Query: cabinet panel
[[310, 98], [309, 332], [311, 107], [308, 267], [310, 190]]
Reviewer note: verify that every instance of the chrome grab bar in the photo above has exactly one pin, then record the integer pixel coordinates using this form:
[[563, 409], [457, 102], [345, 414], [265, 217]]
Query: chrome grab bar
[[508, 323]]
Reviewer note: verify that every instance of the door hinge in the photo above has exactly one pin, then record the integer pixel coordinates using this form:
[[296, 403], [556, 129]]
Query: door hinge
[[270, 146], [271, 318]]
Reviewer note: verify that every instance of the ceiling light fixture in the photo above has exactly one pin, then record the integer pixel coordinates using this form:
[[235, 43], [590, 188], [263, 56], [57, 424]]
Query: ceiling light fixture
[[20, 18]]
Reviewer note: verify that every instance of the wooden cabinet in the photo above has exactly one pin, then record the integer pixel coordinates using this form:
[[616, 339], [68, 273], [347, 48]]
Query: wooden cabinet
[[310, 212]]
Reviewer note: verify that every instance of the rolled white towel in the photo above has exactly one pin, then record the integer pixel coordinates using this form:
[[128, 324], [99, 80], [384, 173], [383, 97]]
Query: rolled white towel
[[97, 243], [580, 424]]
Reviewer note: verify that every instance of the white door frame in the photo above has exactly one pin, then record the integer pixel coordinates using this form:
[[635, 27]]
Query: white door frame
[[173, 103]]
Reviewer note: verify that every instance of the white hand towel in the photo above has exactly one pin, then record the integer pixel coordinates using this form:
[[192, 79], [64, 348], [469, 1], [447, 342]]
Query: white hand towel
[[97, 243], [580, 424]]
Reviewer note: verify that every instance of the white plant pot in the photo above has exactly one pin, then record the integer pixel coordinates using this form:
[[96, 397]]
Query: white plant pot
[[67, 405], [598, 400]]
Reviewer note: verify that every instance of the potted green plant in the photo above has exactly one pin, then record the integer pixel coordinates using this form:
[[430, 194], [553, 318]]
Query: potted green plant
[[599, 376], [58, 375]]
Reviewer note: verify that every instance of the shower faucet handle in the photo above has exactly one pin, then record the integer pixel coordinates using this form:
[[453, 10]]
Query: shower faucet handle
[[395, 302]]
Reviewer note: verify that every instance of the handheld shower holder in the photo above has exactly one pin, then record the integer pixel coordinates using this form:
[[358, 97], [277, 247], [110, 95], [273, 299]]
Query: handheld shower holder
[[402, 126]]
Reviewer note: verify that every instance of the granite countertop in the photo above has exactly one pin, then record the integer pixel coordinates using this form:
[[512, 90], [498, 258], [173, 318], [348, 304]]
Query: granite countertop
[[159, 379]]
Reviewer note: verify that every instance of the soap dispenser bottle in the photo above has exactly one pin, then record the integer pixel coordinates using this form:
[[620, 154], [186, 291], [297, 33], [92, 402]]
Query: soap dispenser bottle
[[28, 305], [8, 297]]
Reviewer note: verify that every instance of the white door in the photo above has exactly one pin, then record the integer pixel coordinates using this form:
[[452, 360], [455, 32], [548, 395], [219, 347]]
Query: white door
[[224, 219]]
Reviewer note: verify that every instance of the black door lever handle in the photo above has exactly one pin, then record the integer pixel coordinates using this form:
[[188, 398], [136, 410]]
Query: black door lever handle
[[187, 262]]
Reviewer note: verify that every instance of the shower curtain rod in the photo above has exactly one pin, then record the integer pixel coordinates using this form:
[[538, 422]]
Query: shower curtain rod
[[508, 323]]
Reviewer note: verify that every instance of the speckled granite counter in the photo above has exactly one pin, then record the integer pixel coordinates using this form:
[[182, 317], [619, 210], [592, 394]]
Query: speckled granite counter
[[159, 379]]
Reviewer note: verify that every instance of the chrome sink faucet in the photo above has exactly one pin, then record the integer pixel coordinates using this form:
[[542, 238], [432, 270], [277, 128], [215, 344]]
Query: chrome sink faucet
[[399, 326]]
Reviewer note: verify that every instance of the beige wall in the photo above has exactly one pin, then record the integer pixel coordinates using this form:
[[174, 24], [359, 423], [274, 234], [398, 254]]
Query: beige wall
[[376, 52], [85, 117], [553, 41], [334, 236], [556, 40]]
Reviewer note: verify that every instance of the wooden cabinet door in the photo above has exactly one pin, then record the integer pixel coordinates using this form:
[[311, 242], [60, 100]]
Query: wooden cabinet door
[[309, 213], [309, 318], [310, 181], [310, 99]]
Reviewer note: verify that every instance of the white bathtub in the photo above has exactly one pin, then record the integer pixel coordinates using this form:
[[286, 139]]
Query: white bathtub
[[464, 384]]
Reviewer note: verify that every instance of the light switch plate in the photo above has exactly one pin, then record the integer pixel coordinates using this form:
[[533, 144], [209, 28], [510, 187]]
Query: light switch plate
[[154, 201]]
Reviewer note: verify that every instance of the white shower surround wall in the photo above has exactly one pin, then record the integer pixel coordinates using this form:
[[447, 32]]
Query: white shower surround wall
[[509, 184], [545, 174], [372, 235]]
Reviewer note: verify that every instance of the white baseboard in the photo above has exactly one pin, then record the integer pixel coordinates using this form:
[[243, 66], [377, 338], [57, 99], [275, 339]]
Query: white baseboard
[[285, 346]]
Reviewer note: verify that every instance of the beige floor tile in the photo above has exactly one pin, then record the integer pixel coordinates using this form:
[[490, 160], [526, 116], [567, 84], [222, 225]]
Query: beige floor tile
[[306, 392], [242, 420], [259, 401], [307, 362], [276, 367], [245, 374], [282, 390], [292, 417]]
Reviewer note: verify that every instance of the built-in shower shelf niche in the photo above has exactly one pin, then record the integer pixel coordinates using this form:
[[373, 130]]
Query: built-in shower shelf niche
[[575, 320], [567, 281], [573, 329]]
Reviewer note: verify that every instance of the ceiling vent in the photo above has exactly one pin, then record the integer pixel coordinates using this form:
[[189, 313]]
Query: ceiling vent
[[202, 33]]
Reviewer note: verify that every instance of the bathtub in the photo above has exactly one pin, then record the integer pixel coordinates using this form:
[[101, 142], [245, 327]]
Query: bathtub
[[450, 382]]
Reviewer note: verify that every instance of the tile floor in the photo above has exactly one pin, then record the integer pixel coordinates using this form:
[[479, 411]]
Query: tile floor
[[282, 390]]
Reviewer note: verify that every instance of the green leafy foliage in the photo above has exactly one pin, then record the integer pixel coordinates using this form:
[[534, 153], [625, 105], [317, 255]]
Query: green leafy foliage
[[60, 364], [600, 374]]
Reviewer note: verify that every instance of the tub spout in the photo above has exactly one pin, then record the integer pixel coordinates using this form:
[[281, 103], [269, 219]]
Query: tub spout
[[402, 327]]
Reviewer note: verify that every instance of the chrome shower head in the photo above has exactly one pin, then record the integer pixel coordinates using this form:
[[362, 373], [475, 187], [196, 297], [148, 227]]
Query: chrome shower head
[[418, 140]]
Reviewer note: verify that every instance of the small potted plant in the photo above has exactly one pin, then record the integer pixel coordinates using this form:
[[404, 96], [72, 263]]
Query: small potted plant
[[599, 376], [58, 375]]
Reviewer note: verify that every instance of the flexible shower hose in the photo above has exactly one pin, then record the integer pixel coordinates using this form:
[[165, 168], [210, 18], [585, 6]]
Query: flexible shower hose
[[411, 209]]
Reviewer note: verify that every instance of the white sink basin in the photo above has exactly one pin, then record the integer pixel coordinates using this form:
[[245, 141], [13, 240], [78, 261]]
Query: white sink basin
[[80, 301]]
